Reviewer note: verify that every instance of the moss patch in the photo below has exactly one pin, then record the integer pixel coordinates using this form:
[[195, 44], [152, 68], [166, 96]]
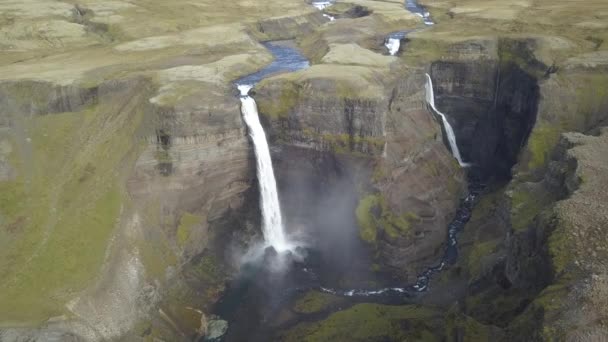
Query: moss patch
[[543, 139], [67, 200], [465, 328], [209, 274], [560, 249], [374, 215], [186, 223], [279, 106], [525, 205], [477, 253], [496, 306], [372, 322], [314, 301], [344, 143]]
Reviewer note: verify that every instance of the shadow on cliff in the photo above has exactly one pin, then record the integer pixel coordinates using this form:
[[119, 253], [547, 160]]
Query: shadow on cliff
[[492, 105]]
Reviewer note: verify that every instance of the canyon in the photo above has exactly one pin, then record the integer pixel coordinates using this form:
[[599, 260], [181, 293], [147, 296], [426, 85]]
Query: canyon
[[459, 141]]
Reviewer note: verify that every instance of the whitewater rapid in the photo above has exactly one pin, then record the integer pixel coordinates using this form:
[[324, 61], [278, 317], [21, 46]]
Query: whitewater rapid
[[272, 224], [430, 99], [393, 45]]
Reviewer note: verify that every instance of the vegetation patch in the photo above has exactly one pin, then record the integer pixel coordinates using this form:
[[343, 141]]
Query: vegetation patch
[[186, 224], [476, 255], [374, 215], [560, 250], [279, 107], [314, 301], [541, 142], [69, 193], [465, 328], [372, 322], [344, 143], [525, 205]]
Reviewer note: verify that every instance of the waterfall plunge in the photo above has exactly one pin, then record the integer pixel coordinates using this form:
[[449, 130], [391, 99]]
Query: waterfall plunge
[[430, 99], [272, 225]]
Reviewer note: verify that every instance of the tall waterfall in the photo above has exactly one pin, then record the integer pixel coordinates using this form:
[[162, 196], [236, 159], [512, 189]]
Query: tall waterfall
[[272, 225], [430, 99]]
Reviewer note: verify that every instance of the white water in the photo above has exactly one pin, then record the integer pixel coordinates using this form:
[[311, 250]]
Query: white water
[[430, 99], [321, 5], [272, 225], [393, 45], [331, 18]]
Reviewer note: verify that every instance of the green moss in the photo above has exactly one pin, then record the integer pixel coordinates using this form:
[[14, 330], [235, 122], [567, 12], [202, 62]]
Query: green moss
[[465, 328], [543, 139], [537, 318], [65, 202], [344, 143], [515, 52], [276, 108], [371, 322], [156, 257], [478, 251], [496, 305], [525, 205], [379, 173], [366, 218], [186, 223], [421, 50], [210, 273], [551, 299], [314, 301], [592, 98], [560, 249], [374, 215]]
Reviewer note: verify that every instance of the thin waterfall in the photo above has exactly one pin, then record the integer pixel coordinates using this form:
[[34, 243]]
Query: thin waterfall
[[430, 99], [272, 225]]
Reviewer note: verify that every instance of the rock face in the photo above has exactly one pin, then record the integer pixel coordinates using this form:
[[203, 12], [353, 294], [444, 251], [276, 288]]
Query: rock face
[[490, 101], [127, 190], [362, 152], [523, 272], [181, 173]]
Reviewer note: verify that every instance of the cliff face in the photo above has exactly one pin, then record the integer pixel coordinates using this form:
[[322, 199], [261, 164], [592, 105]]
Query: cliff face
[[145, 196], [370, 149], [128, 189], [522, 270], [127, 186], [490, 100]]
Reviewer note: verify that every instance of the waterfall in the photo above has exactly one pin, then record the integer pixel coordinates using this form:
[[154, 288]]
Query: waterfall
[[321, 5], [392, 44], [331, 18], [430, 99], [272, 225]]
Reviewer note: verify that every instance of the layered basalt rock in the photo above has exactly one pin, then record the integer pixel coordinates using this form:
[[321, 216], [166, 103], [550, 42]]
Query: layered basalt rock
[[374, 152], [490, 101]]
